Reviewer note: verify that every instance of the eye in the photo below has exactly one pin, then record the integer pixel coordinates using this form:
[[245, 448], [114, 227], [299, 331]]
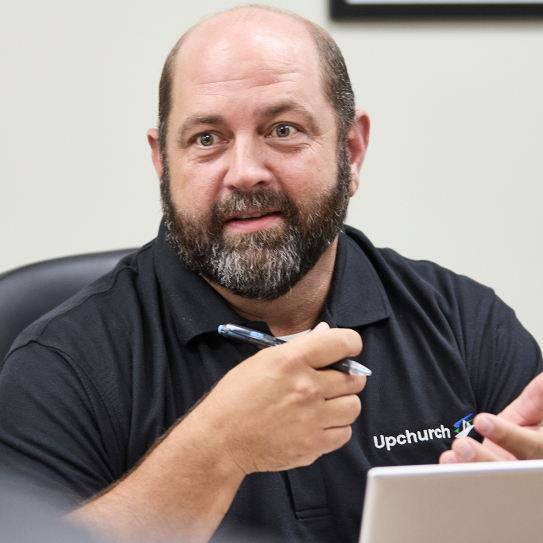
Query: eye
[[284, 130], [206, 139]]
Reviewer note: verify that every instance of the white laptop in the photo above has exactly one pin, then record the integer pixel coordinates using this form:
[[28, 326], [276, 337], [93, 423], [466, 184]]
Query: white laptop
[[495, 502]]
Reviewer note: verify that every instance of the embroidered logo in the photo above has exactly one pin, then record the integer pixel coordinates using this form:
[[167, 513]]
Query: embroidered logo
[[464, 426], [411, 437]]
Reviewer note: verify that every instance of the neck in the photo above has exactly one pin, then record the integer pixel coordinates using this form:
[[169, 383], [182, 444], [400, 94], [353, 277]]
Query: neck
[[298, 309]]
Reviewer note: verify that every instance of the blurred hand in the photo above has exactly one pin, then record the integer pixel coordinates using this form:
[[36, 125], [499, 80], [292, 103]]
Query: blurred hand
[[515, 434]]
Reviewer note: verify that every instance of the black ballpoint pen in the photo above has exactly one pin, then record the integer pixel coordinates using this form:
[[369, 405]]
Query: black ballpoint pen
[[265, 340]]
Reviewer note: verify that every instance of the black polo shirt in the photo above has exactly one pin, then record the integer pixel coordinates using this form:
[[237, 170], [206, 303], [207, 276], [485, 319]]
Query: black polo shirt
[[88, 388]]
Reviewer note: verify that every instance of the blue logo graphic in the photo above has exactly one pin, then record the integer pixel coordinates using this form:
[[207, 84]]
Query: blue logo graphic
[[464, 426]]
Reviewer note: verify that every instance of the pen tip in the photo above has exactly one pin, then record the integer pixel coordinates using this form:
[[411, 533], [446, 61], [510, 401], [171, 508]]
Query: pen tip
[[220, 328]]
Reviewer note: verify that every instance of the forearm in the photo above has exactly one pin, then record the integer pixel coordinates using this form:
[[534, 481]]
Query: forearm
[[180, 492]]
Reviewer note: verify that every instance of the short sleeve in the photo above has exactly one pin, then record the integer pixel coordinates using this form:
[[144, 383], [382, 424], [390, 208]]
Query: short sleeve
[[504, 358], [55, 428]]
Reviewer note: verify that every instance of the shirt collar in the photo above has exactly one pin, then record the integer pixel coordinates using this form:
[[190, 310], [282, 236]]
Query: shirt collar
[[357, 296]]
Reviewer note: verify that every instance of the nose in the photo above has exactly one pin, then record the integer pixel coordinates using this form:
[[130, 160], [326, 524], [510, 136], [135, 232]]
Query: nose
[[246, 168]]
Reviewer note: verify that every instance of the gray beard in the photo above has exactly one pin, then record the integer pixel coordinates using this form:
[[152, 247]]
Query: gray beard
[[258, 272], [266, 264]]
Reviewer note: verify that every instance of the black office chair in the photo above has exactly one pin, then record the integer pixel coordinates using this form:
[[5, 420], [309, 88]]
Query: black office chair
[[29, 292]]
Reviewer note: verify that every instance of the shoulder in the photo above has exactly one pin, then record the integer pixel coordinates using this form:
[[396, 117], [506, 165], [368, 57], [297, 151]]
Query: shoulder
[[444, 303], [92, 340], [456, 314], [421, 279], [76, 362], [108, 299]]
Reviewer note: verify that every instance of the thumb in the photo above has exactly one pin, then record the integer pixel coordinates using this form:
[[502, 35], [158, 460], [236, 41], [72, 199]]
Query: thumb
[[324, 346], [527, 409], [321, 327]]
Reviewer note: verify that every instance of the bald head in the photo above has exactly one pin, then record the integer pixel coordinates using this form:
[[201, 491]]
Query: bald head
[[250, 26]]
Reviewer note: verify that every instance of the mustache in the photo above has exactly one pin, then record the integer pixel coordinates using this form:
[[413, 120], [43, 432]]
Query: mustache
[[261, 200]]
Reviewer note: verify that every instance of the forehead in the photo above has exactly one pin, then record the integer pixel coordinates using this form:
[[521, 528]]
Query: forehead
[[258, 57]]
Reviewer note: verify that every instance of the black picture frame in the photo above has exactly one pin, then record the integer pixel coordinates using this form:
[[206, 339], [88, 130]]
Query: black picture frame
[[341, 10]]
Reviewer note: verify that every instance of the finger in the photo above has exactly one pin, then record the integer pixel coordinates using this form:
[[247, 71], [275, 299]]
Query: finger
[[465, 449], [448, 457], [340, 412], [470, 455], [335, 383], [522, 442], [527, 409], [334, 438], [322, 348]]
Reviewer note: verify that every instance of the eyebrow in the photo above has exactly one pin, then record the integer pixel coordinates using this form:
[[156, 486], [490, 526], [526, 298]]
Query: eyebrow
[[196, 120], [288, 105]]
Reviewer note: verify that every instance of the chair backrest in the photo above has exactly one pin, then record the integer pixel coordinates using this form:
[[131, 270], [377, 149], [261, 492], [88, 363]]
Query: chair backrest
[[29, 292]]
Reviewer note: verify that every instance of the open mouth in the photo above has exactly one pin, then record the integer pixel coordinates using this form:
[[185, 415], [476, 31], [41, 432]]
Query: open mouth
[[251, 221], [253, 216]]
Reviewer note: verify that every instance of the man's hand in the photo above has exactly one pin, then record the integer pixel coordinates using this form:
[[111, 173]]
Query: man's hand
[[515, 434], [274, 411], [279, 409]]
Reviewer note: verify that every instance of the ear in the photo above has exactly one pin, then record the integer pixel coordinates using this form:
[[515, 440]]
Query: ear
[[156, 155], [357, 142]]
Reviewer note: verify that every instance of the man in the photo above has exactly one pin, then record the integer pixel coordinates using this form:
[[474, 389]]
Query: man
[[127, 397]]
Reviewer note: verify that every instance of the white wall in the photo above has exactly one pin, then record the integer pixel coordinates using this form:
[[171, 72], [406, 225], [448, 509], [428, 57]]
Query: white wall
[[455, 168]]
